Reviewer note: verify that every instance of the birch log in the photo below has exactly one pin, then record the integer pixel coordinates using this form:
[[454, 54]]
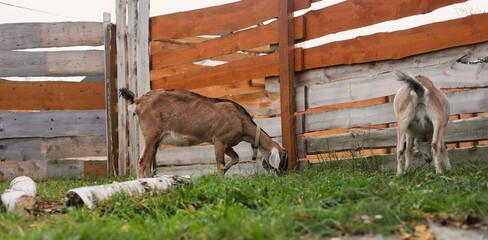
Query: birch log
[[94, 195], [20, 197]]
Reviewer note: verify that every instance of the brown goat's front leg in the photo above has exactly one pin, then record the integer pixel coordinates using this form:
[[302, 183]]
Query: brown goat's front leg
[[233, 156], [219, 156], [147, 158]]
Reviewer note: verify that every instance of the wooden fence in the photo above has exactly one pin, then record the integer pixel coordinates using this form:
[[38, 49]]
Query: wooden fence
[[335, 97], [47, 126]]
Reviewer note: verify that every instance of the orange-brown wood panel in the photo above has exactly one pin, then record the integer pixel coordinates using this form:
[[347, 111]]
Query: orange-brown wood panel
[[362, 13], [247, 69], [218, 19], [51, 95], [231, 43], [399, 44]]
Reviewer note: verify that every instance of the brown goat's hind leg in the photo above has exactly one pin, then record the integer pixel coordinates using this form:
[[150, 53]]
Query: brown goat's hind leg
[[147, 158], [234, 158], [219, 156]]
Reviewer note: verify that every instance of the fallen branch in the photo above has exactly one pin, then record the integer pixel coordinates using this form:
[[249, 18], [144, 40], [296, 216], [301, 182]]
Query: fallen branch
[[21, 196], [95, 195]]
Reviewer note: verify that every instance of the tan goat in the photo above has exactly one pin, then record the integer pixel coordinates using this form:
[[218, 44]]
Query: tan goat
[[184, 118], [422, 113]]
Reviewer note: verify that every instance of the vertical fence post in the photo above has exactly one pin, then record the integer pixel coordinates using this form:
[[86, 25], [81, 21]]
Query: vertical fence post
[[111, 96], [122, 82], [287, 77]]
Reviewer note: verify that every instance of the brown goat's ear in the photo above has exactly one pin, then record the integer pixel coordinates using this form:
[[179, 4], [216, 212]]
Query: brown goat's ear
[[274, 158]]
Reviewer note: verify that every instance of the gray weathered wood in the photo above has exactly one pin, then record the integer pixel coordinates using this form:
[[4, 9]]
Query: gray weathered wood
[[135, 140], [343, 72], [448, 75], [143, 50], [471, 129], [199, 170], [122, 82], [388, 161], [461, 102], [22, 149], [60, 63], [34, 169], [45, 35], [49, 124]]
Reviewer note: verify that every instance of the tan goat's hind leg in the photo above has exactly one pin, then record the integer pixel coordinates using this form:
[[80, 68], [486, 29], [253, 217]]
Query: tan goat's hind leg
[[408, 151], [436, 146], [445, 157], [147, 158], [400, 151], [219, 157], [233, 156]]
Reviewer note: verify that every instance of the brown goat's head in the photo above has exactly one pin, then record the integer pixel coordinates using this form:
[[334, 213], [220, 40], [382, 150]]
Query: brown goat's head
[[277, 161]]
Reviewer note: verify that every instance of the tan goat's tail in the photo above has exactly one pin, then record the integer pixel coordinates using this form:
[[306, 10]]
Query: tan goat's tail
[[411, 82], [127, 95]]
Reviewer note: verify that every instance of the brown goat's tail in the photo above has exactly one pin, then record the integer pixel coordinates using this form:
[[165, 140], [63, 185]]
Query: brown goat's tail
[[411, 82], [127, 95]]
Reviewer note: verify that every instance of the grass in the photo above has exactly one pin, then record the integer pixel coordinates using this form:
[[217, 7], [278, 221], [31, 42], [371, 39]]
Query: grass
[[324, 201]]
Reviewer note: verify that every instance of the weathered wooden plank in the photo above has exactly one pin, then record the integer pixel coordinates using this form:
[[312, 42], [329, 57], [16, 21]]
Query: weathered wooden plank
[[461, 102], [195, 171], [247, 69], [111, 96], [231, 43], [363, 13], [199, 154], [444, 57], [143, 52], [51, 123], [135, 143], [444, 76], [34, 169], [45, 35], [23, 149], [471, 129], [399, 44], [51, 95], [388, 161], [122, 82], [60, 63], [70, 147], [215, 20]]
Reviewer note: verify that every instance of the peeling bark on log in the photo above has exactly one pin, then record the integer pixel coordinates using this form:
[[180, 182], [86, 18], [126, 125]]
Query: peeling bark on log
[[20, 197], [94, 195]]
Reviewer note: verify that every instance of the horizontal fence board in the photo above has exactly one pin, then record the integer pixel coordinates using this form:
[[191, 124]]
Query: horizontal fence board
[[419, 62], [199, 170], [447, 75], [216, 20], [59, 63], [461, 102], [399, 44], [23, 149], [42, 169], [388, 161], [231, 43], [51, 123], [362, 13], [471, 129], [247, 69], [18, 95], [46, 35]]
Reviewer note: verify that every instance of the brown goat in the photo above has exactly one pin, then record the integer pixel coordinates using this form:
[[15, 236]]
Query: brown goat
[[422, 113], [184, 118]]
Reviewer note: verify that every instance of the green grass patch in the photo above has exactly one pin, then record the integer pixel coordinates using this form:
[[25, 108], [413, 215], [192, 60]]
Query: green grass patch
[[326, 200]]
